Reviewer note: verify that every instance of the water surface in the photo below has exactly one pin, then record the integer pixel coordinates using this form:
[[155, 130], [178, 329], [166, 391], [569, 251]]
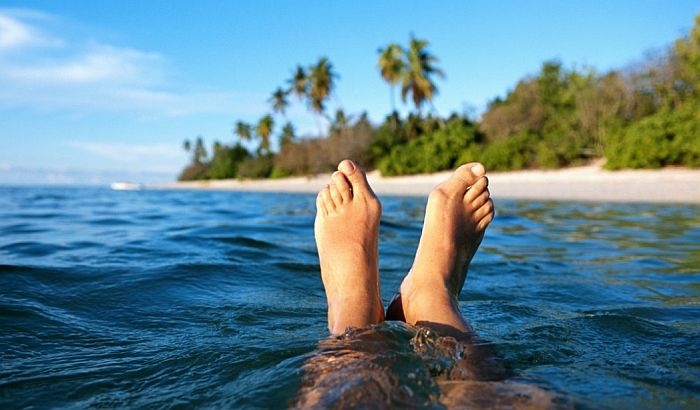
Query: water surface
[[163, 298]]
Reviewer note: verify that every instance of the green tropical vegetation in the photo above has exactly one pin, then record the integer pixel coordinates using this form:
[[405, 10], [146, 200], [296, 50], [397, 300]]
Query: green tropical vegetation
[[645, 115]]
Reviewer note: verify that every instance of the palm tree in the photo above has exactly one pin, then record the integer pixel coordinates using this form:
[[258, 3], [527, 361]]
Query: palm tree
[[417, 77], [413, 126], [341, 121], [243, 130], [199, 155], [321, 84], [216, 148], [279, 100], [299, 83], [263, 130], [287, 136], [391, 66]]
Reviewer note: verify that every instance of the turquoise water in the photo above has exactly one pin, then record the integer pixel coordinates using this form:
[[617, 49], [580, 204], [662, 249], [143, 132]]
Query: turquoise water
[[158, 299]]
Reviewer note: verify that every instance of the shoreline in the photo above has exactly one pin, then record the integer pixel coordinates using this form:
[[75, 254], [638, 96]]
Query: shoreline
[[590, 183]]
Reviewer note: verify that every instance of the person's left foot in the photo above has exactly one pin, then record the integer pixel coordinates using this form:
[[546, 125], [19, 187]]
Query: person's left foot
[[346, 231]]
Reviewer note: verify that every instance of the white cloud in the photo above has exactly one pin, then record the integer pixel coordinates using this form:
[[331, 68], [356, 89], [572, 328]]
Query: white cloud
[[16, 34], [13, 33], [131, 153], [87, 76], [101, 64]]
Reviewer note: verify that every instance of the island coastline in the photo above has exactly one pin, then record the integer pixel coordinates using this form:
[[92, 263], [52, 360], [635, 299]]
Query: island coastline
[[590, 183]]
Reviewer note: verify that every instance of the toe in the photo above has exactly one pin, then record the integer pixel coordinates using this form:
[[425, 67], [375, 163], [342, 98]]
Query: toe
[[464, 177], [320, 204], [355, 175], [484, 210], [335, 196], [342, 185], [485, 221], [478, 169], [479, 201], [327, 200], [476, 192], [477, 189]]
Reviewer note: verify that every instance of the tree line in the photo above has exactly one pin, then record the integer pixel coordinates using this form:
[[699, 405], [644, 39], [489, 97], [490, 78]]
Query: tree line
[[644, 115]]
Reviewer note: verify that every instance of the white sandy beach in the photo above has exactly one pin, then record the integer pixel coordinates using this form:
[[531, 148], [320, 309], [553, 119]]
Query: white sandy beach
[[587, 183]]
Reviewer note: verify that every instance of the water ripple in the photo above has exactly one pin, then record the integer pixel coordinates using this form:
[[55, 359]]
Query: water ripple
[[194, 299]]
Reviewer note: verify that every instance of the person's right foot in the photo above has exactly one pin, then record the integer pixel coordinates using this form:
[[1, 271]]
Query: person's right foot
[[456, 216]]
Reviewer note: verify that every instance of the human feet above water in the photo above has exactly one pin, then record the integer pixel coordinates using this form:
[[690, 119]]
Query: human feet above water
[[456, 216], [346, 231]]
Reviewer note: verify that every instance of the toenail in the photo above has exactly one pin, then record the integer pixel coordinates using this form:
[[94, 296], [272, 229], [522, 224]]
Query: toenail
[[478, 170], [347, 166]]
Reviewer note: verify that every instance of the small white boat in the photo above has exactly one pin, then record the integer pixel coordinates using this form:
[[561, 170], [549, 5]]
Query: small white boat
[[126, 186]]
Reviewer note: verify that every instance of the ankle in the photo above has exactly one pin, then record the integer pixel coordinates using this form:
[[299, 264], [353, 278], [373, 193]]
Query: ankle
[[420, 299], [358, 308]]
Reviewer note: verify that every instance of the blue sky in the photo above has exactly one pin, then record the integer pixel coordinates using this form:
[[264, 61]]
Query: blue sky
[[93, 91]]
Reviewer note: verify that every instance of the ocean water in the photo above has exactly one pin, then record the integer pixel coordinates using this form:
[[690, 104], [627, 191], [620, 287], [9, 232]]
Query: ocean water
[[213, 299]]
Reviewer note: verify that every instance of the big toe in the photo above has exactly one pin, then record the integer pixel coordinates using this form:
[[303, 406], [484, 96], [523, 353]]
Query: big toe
[[465, 176], [356, 176]]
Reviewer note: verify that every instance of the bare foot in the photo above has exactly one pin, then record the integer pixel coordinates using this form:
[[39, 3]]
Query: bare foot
[[346, 230], [456, 216]]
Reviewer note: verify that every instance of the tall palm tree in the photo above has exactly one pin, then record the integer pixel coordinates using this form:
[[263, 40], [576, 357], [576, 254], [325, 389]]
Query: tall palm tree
[[299, 83], [216, 148], [263, 130], [287, 136], [417, 77], [279, 100], [243, 130], [321, 84], [199, 156], [391, 66], [341, 121]]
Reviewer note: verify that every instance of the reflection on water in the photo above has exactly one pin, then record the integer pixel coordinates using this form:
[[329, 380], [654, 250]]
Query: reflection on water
[[155, 299]]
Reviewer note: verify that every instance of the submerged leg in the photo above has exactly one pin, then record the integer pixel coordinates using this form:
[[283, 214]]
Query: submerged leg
[[346, 231], [456, 216]]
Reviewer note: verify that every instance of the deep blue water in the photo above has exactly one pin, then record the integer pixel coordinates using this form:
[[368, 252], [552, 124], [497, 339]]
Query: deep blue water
[[164, 298]]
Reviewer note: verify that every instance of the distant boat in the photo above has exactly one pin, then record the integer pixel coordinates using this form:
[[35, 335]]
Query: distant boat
[[126, 186]]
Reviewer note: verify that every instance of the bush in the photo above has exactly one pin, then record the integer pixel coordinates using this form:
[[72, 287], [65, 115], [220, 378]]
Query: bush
[[278, 172], [256, 167], [390, 134], [470, 154], [317, 155], [546, 156], [435, 151], [352, 142], [669, 137], [226, 161], [194, 172], [514, 152], [525, 149]]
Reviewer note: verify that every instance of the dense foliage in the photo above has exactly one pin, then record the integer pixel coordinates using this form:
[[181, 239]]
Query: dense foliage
[[669, 137], [432, 151], [644, 116]]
